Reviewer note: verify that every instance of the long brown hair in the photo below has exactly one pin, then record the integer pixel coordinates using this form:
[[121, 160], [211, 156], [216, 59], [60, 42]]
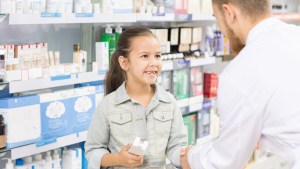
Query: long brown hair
[[116, 75]]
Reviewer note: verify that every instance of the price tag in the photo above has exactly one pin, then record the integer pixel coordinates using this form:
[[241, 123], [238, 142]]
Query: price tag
[[47, 14], [84, 15]]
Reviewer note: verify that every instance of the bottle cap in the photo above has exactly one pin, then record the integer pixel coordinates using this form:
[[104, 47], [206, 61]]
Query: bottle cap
[[76, 47], [19, 162]]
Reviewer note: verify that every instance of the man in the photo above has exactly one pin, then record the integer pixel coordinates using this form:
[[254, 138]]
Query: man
[[258, 97]]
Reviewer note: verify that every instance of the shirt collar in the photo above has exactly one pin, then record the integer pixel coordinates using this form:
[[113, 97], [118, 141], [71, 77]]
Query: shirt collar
[[160, 94], [262, 26]]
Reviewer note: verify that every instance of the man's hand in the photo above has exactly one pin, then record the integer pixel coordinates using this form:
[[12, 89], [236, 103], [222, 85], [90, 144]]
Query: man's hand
[[184, 157]]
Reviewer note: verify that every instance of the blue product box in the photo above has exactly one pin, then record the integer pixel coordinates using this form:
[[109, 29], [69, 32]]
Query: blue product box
[[83, 108], [55, 114]]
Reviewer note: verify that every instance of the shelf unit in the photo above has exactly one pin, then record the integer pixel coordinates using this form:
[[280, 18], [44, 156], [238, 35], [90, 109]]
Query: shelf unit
[[58, 18], [31, 149], [169, 65], [44, 83]]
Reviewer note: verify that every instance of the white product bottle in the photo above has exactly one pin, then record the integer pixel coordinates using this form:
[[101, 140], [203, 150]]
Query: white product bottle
[[39, 162], [56, 160], [28, 162], [49, 161], [9, 164], [80, 58]]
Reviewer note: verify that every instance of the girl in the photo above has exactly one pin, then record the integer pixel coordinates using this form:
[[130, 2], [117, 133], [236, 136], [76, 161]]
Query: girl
[[135, 106]]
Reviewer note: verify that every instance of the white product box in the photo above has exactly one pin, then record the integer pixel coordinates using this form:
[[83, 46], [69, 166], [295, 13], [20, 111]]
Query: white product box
[[35, 73], [138, 146], [122, 6], [102, 57], [57, 70], [22, 118], [13, 75]]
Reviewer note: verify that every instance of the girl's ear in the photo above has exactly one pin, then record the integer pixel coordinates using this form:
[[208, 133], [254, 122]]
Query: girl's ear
[[123, 62]]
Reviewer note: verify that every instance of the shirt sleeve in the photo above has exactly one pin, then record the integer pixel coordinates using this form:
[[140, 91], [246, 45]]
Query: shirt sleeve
[[178, 137], [97, 138], [240, 130]]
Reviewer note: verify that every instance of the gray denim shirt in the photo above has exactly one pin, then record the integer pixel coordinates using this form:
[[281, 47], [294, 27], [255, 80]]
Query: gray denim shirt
[[119, 119]]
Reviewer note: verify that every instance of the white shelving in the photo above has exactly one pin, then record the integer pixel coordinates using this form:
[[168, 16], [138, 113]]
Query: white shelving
[[44, 83], [150, 17], [201, 17], [32, 149], [57, 18], [169, 65], [202, 62], [19, 19]]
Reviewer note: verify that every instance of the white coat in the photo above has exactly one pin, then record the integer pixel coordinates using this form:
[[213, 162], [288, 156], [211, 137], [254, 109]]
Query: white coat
[[259, 100]]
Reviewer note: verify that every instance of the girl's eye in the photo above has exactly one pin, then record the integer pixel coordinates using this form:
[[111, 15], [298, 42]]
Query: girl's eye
[[158, 56], [145, 56]]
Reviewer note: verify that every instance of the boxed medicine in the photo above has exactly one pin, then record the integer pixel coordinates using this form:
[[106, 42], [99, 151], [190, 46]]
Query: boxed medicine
[[22, 118]]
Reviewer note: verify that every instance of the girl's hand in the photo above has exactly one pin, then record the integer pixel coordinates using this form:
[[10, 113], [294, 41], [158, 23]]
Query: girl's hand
[[129, 160]]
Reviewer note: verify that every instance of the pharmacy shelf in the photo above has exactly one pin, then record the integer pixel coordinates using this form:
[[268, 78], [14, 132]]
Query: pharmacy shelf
[[31, 149], [45, 83], [202, 61], [57, 18], [169, 65], [203, 17], [155, 18]]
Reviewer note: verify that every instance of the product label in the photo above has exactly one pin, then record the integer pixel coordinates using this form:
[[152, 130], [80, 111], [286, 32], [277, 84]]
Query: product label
[[82, 15], [48, 14], [183, 17]]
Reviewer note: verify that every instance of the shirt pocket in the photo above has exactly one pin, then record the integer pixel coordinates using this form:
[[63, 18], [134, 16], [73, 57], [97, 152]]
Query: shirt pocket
[[121, 124], [162, 121]]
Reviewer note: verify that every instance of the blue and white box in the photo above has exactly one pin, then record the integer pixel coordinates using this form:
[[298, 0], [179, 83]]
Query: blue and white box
[[55, 114], [82, 109], [22, 118]]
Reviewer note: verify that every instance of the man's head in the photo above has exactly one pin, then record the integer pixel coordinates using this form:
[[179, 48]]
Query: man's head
[[237, 17]]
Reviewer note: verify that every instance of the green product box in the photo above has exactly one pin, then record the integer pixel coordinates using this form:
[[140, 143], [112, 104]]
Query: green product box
[[190, 121]]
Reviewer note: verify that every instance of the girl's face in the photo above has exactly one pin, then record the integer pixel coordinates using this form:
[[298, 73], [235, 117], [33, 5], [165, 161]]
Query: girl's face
[[144, 62]]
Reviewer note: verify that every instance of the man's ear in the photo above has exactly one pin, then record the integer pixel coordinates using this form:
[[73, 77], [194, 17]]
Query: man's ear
[[229, 13], [123, 62]]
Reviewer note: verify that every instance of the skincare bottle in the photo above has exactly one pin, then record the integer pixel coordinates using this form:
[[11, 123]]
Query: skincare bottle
[[28, 162], [49, 161], [20, 164], [57, 57], [2, 132], [51, 58], [39, 162], [109, 37], [9, 164], [79, 58], [118, 31], [56, 160]]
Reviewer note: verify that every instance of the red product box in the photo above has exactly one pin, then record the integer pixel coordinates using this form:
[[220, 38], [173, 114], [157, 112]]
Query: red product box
[[210, 85]]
